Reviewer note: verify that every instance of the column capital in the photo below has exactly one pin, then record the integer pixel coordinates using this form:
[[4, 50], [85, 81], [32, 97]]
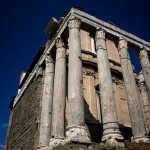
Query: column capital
[[49, 59], [122, 43], [59, 42], [39, 71], [143, 52], [100, 34], [74, 22]]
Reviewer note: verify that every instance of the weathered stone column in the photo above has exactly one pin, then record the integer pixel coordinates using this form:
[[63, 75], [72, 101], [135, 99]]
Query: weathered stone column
[[59, 97], [111, 133], [145, 100], [135, 111], [46, 103], [76, 130], [143, 56]]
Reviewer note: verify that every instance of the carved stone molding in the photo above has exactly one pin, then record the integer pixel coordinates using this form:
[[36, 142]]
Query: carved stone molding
[[100, 34], [143, 53], [74, 23], [89, 73], [49, 59], [47, 44], [39, 71], [59, 42], [122, 43]]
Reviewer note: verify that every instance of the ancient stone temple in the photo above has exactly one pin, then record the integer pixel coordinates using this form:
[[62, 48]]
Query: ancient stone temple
[[82, 89]]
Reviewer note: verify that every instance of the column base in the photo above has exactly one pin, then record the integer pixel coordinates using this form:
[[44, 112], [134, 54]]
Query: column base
[[78, 134], [54, 142], [140, 139], [114, 139]]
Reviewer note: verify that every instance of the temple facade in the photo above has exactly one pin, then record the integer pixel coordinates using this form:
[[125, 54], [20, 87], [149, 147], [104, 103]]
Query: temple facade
[[82, 88]]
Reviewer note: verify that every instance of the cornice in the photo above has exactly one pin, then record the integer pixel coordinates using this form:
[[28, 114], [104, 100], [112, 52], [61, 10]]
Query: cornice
[[88, 19]]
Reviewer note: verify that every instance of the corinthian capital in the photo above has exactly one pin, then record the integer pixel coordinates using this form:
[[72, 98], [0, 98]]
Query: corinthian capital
[[122, 43], [74, 23], [49, 59], [100, 34], [59, 42], [143, 52]]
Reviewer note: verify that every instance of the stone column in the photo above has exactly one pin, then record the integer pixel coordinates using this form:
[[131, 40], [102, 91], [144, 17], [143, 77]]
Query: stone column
[[143, 56], [135, 111], [111, 133], [59, 97], [46, 103], [145, 100], [76, 130]]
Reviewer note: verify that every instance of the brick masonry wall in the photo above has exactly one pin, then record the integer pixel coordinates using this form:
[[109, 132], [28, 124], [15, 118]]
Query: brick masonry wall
[[23, 133]]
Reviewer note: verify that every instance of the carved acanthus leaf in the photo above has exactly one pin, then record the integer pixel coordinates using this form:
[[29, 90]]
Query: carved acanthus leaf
[[100, 34], [74, 23], [143, 53], [39, 71], [59, 42], [49, 59], [122, 43]]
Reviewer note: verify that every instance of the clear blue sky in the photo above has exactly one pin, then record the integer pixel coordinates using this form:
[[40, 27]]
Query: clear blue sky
[[22, 24]]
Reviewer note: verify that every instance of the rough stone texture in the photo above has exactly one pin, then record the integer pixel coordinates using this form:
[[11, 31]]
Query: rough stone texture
[[145, 68], [111, 133], [144, 101], [94, 146], [23, 133], [76, 122], [46, 102], [137, 119], [59, 98]]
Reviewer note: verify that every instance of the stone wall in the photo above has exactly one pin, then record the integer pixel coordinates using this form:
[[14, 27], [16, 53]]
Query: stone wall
[[23, 132]]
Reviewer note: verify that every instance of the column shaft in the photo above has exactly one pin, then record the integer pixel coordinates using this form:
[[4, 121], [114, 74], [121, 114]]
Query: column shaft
[[59, 97], [145, 100], [76, 123], [46, 104], [145, 68], [111, 133], [135, 111]]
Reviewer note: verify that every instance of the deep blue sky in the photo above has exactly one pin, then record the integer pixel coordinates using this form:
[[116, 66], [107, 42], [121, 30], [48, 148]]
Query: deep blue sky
[[22, 24]]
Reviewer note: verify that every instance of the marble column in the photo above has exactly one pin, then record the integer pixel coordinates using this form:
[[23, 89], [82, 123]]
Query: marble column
[[59, 97], [143, 56], [111, 133], [46, 103], [135, 111], [76, 130], [145, 100]]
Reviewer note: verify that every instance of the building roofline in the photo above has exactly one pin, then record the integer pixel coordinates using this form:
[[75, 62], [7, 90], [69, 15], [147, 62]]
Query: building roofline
[[88, 19]]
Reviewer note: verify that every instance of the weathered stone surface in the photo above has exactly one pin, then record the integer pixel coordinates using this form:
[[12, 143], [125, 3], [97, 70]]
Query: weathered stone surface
[[137, 119], [75, 84], [59, 98], [46, 103], [145, 100], [23, 133], [145, 67], [111, 133]]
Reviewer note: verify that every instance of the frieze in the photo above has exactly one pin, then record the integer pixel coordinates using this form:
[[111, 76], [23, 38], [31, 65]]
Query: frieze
[[89, 73]]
